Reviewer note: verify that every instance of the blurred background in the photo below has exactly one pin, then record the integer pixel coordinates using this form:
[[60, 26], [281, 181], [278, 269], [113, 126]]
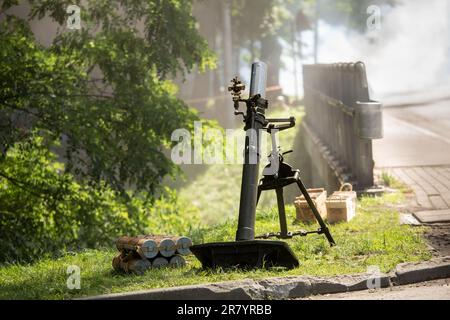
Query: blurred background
[[408, 52], [405, 46]]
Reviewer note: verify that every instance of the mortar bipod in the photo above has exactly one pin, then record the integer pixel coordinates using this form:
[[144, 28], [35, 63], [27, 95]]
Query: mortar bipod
[[276, 176]]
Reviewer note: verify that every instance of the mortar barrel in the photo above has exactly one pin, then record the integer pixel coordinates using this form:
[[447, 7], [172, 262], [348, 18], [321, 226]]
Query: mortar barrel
[[258, 79], [250, 170]]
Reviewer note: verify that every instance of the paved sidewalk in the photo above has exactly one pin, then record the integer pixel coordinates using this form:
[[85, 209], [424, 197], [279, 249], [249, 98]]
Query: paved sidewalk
[[416, 150], [430, 184]]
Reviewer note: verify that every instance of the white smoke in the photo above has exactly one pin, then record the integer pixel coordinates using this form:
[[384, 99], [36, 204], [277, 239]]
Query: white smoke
[[410, 52]]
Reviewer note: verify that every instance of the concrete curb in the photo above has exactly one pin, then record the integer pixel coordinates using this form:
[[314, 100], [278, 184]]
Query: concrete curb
[[293, 287], [437, 268]]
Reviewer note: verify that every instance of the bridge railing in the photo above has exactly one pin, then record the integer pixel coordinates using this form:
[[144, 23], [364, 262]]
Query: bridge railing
[[342, 119]]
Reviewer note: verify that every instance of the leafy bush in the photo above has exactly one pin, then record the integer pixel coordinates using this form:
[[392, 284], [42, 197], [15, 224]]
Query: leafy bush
[[45, 211], [105, 87]]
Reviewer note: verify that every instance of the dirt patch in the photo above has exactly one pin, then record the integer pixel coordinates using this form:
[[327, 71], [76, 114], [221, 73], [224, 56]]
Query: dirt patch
[[438, 237]]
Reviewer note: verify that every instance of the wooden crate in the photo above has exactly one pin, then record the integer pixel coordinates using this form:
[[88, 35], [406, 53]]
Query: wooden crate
[[341, 206], [304, 213]]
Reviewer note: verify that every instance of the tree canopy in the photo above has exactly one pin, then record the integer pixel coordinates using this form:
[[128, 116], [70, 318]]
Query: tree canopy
[[86, 121], [101, 90]]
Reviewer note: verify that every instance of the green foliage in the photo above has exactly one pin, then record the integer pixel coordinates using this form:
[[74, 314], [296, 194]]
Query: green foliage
[[100, 99], [171, 215], [104, 88], [387, 179], [45, 211], [392, 182], [259, 20]]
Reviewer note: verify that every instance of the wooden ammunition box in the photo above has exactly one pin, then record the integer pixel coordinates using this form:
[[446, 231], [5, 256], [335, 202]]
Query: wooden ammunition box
[[341, 206], [304, 212]]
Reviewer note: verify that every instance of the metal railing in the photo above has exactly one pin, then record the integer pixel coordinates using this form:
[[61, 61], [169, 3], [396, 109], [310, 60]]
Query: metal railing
[[342, 119]]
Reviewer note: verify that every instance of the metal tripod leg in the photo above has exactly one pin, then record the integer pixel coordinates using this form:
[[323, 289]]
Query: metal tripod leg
[[319, 219], [281, 213], [258, 195]]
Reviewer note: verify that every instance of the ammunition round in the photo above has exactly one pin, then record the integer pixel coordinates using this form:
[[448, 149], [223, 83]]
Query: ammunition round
[[160, 262], [116, 263], [177, 261], [167, 247], [183, 244], [138, 266], [148, 248]]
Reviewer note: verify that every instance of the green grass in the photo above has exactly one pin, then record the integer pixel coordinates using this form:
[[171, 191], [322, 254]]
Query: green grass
[[373, 237], [390, 181]]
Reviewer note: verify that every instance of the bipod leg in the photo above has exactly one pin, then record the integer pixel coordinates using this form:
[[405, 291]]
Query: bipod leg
[[319, 219], [281, 213]]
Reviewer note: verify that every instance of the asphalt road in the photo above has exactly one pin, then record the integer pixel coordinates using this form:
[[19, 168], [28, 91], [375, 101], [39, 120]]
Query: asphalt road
[[432, 290], [415, 135]]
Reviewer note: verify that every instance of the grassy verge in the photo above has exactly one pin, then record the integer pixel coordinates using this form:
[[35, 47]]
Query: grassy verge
[[373, 237]]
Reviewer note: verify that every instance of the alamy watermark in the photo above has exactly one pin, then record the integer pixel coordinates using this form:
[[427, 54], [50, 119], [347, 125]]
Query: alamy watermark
[[74, 18], [74, 277], [374, 280], [373, 21], [213, 146]]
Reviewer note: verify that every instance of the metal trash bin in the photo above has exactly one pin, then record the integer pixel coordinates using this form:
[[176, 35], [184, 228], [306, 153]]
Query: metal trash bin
[[368, 120]]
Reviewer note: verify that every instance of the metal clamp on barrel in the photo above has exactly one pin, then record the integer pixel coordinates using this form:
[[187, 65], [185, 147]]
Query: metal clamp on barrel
[[271, 126]]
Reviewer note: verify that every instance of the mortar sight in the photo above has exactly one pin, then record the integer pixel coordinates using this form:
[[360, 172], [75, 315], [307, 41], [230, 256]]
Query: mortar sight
[[236, 88]]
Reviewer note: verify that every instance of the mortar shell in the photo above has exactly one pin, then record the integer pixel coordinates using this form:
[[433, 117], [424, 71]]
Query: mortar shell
[[116, 263], [183, 244], [128, 243], [159, 262], [148, 248], [130, 262], [138, 266], [144, 246], [177, 261], [167, 247]]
